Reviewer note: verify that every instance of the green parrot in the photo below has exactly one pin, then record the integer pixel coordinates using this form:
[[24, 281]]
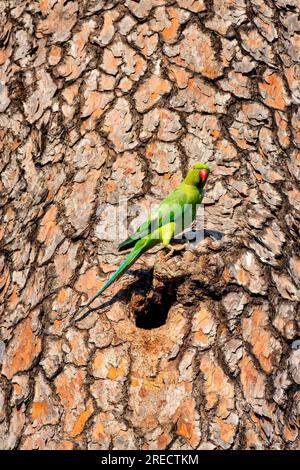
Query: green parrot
[[173, 215]]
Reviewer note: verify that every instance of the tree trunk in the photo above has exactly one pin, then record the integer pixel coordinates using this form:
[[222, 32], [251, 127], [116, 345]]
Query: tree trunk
[[104, 100]]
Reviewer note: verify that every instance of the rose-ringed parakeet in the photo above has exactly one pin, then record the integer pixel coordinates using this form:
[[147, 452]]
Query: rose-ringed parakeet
[[168, 220]]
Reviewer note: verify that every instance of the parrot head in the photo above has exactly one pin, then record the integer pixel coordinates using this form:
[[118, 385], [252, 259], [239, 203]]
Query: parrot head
[[198, 175]]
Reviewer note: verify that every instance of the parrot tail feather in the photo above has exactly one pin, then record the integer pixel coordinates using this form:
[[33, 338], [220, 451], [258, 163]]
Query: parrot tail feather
[[140, 247]]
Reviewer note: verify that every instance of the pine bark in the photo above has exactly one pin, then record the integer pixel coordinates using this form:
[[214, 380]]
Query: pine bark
[[103, 100]]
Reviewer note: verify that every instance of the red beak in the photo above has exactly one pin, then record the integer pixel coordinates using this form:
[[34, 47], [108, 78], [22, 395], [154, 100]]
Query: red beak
[[203, 174]]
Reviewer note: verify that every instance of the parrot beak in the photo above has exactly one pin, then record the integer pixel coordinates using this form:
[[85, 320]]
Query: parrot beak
[[203, 174]]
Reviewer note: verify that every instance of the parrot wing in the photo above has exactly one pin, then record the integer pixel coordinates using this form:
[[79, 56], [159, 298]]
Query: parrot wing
[[169, 209]]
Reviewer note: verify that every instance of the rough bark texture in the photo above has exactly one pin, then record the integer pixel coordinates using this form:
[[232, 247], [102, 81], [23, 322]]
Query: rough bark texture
[[103, 99]]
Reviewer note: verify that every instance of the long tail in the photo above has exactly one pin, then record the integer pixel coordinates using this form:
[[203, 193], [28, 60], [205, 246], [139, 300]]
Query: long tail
[[139, 248]]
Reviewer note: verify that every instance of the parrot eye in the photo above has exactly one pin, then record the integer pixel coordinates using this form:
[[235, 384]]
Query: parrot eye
[[203, 174]]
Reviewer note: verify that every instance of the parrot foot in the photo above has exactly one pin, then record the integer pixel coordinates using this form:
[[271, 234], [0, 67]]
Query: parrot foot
[[172, 249]]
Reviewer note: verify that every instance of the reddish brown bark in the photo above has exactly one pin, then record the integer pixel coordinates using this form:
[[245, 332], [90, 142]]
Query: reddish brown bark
[[107, 99]]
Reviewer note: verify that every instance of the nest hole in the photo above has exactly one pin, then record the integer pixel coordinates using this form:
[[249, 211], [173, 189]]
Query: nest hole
[[153, 311]]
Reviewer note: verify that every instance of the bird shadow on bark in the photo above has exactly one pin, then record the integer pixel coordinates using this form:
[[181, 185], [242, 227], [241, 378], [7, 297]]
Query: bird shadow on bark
[[200, 235], [140, 285], [148, 307]]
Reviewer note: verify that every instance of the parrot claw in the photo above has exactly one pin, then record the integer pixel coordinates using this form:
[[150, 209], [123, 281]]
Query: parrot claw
[[173, 249]]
